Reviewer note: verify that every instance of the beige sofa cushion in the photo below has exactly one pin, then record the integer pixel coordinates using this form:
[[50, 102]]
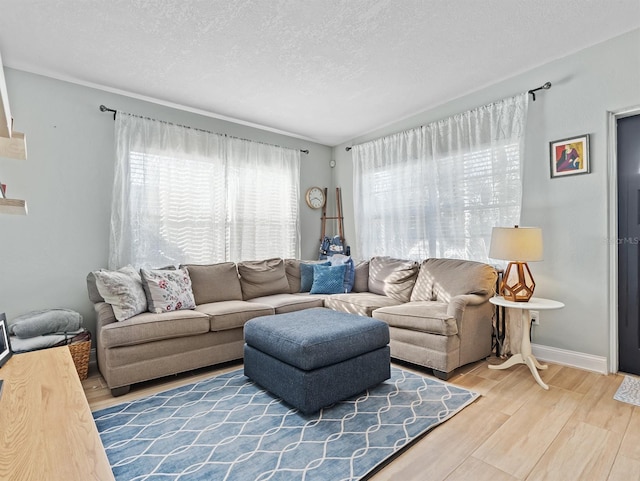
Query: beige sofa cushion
[[292, 271], [361, 303], [290, 302], [443, 279], [263, 278], [148, 327], [232, 314], [424, 316], [393, 278], [215, 282], [361, 279]]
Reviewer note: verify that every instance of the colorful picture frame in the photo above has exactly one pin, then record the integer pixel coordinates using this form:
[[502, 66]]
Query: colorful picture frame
[[5, 345], [569, 156]]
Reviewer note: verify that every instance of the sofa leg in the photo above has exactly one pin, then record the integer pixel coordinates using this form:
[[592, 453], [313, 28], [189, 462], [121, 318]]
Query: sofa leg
[[441, 374], [120, 391]]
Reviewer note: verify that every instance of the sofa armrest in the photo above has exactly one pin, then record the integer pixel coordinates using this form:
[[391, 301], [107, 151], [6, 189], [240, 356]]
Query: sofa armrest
[[104, 315], [458, 304], [473, 314]]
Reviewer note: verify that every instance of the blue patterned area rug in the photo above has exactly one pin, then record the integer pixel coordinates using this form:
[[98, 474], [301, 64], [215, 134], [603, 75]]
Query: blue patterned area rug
[[228, 428]]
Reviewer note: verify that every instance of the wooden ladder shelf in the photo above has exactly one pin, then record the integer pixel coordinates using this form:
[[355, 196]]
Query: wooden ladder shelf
[[338, 217]]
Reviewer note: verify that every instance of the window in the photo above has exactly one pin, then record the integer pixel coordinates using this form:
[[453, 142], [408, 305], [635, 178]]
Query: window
[[179, 208], [187, 196], [438, 190], [263, 195]]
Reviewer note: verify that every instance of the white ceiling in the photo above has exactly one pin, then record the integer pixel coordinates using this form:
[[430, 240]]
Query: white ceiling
[[324, 70]]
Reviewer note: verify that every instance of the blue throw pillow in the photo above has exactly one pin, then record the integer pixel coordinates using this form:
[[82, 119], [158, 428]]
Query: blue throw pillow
[[350, 272], [306, 274], [328, 279]]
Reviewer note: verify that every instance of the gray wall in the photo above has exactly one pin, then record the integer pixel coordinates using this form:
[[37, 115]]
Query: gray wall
[[67, 181], [572, 211]]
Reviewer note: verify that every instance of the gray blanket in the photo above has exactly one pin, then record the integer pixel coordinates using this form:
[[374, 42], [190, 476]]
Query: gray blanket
[[38, 323], [19, 345]]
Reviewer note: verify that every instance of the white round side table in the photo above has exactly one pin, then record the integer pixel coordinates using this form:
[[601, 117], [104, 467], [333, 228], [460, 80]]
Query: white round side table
[[525, 356]]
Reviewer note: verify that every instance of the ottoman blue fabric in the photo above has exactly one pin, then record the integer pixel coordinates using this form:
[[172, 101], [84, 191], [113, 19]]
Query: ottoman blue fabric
[[310, 391], [316, 357], [316, 337]]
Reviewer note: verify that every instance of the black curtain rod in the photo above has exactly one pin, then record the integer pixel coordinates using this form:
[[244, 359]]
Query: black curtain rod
[[546, 86], [107, 109]]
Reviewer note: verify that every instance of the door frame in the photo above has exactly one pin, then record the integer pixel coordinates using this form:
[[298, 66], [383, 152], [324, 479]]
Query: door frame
[[612, 174]]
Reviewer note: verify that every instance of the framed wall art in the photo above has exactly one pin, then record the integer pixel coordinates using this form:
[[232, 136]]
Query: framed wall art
[[569, 156]]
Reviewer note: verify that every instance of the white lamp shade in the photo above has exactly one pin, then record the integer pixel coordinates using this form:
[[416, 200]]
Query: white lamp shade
[[518, 244]]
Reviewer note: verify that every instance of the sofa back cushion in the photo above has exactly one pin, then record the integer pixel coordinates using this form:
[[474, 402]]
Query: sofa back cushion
[[307, 270], [262, 278], [393, 278], [214, 282], [292, 271], [443, 279], [361, 277]]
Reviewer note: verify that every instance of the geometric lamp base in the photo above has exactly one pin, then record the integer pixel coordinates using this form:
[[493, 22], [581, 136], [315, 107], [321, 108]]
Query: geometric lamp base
[[517, 282]]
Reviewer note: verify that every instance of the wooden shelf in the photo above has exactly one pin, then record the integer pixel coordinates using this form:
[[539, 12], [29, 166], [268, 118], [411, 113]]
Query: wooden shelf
[[13, 206], [6, 121], [14, 147]]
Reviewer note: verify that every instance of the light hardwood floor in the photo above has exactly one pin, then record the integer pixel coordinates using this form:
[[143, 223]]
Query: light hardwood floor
[[515, 431]]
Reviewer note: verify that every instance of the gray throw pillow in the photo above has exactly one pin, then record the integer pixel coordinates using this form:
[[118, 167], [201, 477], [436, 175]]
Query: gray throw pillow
[[122, 289]]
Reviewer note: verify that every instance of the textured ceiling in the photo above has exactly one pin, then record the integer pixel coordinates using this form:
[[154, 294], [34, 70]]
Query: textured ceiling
[[324, 70]]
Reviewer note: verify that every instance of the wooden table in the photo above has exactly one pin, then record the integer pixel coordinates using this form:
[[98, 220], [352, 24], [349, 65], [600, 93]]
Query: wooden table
[[525, 356], [46, 428]]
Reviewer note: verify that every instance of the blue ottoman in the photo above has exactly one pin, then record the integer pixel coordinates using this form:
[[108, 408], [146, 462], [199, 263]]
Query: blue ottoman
[[316, 357]]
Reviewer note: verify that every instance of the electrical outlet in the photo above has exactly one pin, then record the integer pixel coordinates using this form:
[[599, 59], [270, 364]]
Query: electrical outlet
[[535, 317]]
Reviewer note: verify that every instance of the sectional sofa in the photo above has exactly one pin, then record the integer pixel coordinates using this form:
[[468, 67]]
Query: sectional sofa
[[438, 313]]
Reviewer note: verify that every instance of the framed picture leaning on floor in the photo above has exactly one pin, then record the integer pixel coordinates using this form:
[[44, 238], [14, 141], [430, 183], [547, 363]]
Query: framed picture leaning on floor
[[5, 345]]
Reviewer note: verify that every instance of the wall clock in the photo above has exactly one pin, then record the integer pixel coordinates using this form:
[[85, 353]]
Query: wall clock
[[315, 197]]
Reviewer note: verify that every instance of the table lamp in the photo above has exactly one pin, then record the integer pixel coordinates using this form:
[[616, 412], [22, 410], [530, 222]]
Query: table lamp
[[518, 245]]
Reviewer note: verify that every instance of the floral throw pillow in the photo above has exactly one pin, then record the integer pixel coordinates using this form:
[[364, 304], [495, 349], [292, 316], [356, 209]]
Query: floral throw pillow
[[168, 290]]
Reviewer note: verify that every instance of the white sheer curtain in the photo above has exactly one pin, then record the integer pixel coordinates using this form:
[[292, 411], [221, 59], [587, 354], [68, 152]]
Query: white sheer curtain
[[263, 196], [437, 190], [177, 189]]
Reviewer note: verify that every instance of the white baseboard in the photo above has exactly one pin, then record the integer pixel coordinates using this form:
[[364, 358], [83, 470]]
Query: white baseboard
[[580, 360]]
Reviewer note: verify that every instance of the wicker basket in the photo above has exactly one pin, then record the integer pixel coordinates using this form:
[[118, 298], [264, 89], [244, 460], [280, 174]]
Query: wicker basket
[[80, 353]]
